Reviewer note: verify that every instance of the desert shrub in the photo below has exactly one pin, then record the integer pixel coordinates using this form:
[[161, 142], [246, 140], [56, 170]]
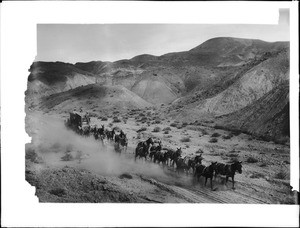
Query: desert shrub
[[30, 154], [104, 118], [184, 124], [67, 157], [157, 121], [166, 132], [167, 129], [110, 124], [141, 114], [263, 164], [216, 134], [144, 119], [157, 129], [204, 132], [251, 159], [218, 127], [232, 155], [142, 129], [173, 124], [185, 139], [282, 140], [282, 175], [229, 136], [58, 192], [213, 140], [236, 132], [116, 120]]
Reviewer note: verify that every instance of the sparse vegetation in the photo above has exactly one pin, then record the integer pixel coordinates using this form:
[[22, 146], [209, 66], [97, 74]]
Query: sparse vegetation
[[104, 118], [204, 132], [263, 164], [232, 155], [216, 134], [184, 124], [173, 124], [166, 132], [116, 120], [58, 192], [185, 139], [282, 174], [142, 129], [213, 140], [229, 136], [67, 157], [167, 129], [30, 154], [251, 159], [157, 129]]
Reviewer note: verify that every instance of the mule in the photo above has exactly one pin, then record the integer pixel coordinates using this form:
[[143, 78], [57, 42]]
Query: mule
[[191, 162], [160, 157], [205, 171], [181, 166], [142, 149], [156, 147], [175, 155], [122, 140], [228, 170]]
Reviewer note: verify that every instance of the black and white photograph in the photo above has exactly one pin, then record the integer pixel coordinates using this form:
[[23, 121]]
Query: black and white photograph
[[159, 113], [209, 124]]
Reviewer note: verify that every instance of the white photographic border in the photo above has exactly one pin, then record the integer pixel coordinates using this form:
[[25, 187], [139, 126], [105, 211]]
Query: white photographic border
[[20, 207]]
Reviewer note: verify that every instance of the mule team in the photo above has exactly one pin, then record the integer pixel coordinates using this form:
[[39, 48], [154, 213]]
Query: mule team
[[153, 151], [168, 157]]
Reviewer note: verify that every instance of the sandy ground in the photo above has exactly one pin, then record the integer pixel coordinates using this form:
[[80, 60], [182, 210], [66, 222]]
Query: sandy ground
[[104, 176]]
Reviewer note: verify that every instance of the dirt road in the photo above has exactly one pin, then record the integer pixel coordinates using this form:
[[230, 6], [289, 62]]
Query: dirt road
[[104, 176]]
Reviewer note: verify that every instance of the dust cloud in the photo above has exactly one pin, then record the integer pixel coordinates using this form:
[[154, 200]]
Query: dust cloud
[[51, 140]]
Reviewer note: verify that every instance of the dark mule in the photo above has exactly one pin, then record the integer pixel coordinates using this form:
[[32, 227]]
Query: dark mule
[[191, 162], [122, 140], [160, 157], [156, 147], [228, 170], [109, 134], [181, 166], [142, 149], [174, 155], [205, 171]]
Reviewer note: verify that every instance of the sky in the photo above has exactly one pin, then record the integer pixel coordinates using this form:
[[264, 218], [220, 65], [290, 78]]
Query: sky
[[110, 42]]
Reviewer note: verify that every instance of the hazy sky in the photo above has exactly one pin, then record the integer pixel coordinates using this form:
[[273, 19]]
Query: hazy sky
[[111, 42]]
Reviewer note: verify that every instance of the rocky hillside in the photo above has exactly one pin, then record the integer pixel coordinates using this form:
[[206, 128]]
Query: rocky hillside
[[268, 117], [48, 78], [222, 76], [94, 97]]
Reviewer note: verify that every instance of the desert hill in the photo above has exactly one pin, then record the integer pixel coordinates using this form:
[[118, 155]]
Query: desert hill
[[219, 77], [93, 97], [54, 77], [268, 117]]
